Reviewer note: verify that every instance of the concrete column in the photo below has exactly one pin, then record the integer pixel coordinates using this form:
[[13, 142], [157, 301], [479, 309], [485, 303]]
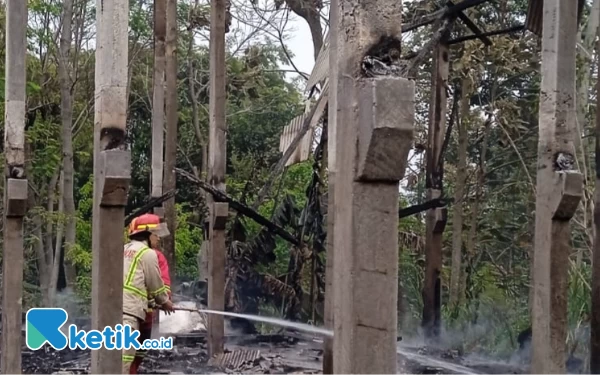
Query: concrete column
[[172, 118], [436, 218], [217, 158], [15, 187], [107, 266], [331, 178], [559, 187], [112, 175], [216, 277], [12, 271], [374, 131], [158, 98], [329, 296]]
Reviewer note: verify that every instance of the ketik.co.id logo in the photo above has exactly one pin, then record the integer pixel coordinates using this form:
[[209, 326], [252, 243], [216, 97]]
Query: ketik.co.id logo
[[44, 326]]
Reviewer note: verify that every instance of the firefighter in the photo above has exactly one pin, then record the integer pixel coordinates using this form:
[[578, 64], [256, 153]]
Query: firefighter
[[146, 327], [142, 277]]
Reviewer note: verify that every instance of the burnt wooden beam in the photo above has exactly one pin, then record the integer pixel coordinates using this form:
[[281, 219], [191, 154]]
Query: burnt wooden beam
[[152, 204], [448, 11], [241, 208], [508, 30], [429, 205], [471, 25]]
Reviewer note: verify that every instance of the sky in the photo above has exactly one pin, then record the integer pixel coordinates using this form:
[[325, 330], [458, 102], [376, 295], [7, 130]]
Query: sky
[[300, 44]]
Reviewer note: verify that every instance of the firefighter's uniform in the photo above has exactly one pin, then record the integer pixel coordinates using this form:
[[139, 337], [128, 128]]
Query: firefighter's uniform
[[146, 326], [141, 278]]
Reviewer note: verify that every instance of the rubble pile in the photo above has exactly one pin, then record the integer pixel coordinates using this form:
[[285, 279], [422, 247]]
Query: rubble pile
[[48, 361]]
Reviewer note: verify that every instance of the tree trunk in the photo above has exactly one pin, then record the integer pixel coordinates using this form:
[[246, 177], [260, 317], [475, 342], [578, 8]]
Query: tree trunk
[[194, 99], [55, 264], [171, 138], [42, 262], [595, 313], [481, 171], [308, 9], [584, 55], [50, 199], [66, 110]]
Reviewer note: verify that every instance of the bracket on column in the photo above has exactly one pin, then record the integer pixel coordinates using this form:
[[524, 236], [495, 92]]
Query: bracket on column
[[441, 218], [220, 212], [115, 177], [159, 211], [16, 194], [570, 186], [386, 111], [440, 213]]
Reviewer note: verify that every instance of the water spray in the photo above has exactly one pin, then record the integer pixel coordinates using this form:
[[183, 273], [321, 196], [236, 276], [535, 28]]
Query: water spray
[[263, 319]]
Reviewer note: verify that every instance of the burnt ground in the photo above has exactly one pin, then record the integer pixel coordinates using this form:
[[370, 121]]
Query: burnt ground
[[263, 354]]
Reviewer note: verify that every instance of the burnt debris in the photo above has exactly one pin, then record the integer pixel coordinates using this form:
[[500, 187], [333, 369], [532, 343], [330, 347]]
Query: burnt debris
[[112, 138], [564, 162], [383, 58]]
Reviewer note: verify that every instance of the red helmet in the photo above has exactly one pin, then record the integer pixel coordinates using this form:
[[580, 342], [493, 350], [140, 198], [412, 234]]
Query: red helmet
[[148, 223]]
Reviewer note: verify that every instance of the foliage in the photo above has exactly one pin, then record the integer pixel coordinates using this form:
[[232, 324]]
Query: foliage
[[188, 239], [261, 100]]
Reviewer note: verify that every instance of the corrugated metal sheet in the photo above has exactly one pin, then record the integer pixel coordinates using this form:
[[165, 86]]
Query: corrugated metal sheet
[[321, 68], [234, 359], [535, 16], [318, 76], [290, 132]]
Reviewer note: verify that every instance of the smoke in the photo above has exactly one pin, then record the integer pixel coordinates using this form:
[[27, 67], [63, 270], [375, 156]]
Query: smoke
[[183, 321], [68, 300]]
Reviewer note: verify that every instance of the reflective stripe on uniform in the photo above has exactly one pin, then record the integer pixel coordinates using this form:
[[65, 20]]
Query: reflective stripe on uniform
[[134, 290], [128, 358], [127, 287], [134, 264], [159, 291], [140, 353]]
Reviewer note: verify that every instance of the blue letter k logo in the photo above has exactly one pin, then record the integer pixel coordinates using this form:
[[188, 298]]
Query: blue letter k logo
[[43, 326]]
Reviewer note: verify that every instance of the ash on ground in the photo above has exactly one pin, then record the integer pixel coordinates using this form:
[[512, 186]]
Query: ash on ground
[[247, 352], [283, 353]]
